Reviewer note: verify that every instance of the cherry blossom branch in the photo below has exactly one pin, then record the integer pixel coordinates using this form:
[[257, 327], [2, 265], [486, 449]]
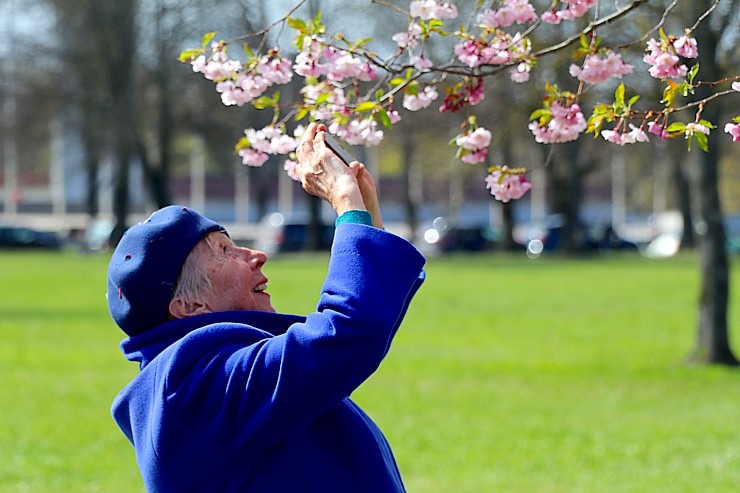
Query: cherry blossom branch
[[588, 29]]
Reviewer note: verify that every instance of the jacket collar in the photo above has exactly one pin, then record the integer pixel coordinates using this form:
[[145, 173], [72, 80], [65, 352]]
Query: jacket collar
[[144, 347]]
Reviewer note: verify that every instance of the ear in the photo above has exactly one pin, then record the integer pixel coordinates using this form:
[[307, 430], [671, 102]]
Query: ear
[[182, 309]]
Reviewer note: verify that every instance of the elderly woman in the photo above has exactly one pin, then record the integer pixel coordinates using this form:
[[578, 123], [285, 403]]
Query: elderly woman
[[233, 397]]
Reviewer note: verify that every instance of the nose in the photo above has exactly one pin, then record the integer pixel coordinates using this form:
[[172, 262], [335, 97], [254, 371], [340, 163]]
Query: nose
[[256, 258]]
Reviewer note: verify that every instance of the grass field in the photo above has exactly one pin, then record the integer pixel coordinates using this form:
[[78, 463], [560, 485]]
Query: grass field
[[509, 375]]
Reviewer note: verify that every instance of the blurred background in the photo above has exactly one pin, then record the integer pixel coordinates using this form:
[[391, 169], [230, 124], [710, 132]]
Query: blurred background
[[518, 368]]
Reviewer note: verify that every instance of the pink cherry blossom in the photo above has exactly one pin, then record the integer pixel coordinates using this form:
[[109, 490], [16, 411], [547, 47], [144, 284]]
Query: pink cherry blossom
[[736, 86], [251, 157], [692, 128], [506, 186], [520, 73], [686, 47], [416, 102], [636, 134], [658, 129], [478, 139], [734, 130], [420, 62], [358, 132], [410, 38], [475, 157], [430, 9], [550, 17], [574, 10], [596, 70], [566, 125], [664, 64], [269, 140], [513, 11], [290, 168], [274, 70]]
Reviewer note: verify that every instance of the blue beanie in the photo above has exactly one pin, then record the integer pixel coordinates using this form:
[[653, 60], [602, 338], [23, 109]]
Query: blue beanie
[[146, 264]]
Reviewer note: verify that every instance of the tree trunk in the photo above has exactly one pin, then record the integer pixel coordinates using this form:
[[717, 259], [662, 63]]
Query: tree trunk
[[117, 28], [565, 177], [507, 209], [409, 179], [712, 342]]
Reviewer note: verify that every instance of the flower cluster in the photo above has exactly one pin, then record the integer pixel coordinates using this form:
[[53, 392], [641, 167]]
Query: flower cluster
[[469, 92], [663, 56], [420, 100], [239, 84], [506, 184], [358, 132], [596, 70], [513, 11], [501, 49], [574, 10], [257, 144], [473, 146], [565, 124], [431, 9], [636, 134], [317, 59]]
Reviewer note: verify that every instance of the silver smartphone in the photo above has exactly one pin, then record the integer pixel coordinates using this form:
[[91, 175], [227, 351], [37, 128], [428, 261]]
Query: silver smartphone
[[337, 149]]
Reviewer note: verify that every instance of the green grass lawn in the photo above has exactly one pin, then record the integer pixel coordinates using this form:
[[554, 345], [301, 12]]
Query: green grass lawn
[[509, 375]]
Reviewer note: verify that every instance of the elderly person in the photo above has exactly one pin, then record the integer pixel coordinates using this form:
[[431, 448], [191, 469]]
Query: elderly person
[[233, 397]]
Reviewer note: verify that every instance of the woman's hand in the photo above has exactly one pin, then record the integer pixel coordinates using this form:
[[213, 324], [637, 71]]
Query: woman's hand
[[369, 192], [323, 174]]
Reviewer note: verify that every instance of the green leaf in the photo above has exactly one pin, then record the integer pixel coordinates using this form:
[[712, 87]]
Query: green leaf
[[297, 24], [736, 119], [670, 93], [189, 55], [365, 106], [539, 113], [584, 41], [701, 139], [634, 99], [207, 38], [301, 114], [707, 123], [262, 102], [676, 127], [692, 73], [384, 118], [619, 95], [242, 143], [248, 50], [397, 82]]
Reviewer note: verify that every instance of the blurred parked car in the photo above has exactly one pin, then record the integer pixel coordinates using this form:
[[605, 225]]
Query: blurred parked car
[[552, 237], [279, 234], [19, 237], [445, 237]]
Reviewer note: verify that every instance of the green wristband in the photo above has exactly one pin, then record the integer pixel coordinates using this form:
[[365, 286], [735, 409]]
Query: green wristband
[[355, 217]]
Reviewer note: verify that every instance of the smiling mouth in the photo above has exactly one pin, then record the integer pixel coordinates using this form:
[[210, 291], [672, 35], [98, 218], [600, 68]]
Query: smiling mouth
[[260, 288]]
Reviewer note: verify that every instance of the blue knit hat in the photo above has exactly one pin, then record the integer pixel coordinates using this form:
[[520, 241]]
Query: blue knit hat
[[146, 264]]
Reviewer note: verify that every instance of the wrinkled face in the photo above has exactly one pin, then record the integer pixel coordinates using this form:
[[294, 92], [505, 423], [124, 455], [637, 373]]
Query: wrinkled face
[[236, 275]]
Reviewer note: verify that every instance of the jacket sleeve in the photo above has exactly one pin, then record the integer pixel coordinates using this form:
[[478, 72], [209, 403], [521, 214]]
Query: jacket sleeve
[[247, 396]]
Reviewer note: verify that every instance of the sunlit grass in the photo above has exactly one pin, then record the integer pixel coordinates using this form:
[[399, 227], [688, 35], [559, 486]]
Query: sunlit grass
[[508, 375]]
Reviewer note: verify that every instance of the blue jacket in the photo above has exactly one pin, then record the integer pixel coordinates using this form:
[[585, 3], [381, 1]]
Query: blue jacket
[[259, 402]]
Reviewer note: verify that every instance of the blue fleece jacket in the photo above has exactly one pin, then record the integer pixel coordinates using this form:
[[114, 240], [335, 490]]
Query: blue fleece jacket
[[259, 402]]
